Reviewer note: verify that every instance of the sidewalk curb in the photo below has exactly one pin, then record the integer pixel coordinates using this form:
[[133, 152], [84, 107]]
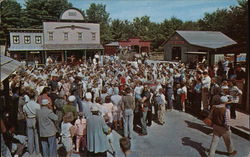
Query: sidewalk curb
[[241, 133]]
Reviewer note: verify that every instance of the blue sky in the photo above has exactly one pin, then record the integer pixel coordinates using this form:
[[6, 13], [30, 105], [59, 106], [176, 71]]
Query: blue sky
[[157, 10]]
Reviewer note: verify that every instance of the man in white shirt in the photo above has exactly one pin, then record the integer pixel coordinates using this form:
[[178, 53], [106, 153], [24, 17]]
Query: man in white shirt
[[206, 81], [30, 110]]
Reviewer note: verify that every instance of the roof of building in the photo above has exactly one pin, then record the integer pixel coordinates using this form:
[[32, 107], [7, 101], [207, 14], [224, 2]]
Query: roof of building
[[8, 66], [208, 39], [71, 46], [113, 44], [24, 30]]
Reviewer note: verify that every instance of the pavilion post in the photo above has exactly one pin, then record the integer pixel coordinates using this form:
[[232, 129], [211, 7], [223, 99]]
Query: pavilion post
[[85, 54]]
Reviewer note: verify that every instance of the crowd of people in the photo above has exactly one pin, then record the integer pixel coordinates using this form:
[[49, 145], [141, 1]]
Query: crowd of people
[[79, 105]]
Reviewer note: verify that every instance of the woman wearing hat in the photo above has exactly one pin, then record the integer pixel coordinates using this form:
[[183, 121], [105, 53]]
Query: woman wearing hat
[[97, 130], [68, 107], [45, 95], [47, 129]]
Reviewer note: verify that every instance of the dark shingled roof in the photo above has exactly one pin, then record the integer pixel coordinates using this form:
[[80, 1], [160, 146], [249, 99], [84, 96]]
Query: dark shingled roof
[[208, 39], [8, 66]]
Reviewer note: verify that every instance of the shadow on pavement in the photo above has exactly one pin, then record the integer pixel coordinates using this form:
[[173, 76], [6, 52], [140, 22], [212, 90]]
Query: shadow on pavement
[[199, 127], [186, 141], [242, 127]]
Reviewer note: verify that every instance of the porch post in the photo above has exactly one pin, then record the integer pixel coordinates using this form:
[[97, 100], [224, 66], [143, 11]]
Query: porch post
[[45, 56], [85, 55], [65, 55], [235, 58]]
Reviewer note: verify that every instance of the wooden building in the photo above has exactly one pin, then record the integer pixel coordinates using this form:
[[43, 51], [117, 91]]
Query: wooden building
[[187, 45], [132, 44], [70, 36]]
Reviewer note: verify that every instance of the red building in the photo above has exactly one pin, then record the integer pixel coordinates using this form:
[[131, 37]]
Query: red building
[[132, 45]]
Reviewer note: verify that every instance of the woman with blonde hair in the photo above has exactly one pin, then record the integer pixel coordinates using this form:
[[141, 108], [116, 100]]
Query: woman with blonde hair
[[68, 131]]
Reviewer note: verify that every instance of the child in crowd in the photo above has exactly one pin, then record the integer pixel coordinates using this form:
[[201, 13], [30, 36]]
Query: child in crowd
[[68, 131], [81, 132]]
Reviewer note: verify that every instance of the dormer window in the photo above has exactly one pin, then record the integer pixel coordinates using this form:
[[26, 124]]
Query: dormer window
[[16, 39], [27, 39], [38, 39]]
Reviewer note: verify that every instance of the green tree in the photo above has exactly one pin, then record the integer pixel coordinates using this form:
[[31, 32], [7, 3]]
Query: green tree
[[239, 24], [232, 22], [37, 11], [97, 13], [142, 26], [10, 18], [121, 30], [216, 21], [190, 25], [168, 27]]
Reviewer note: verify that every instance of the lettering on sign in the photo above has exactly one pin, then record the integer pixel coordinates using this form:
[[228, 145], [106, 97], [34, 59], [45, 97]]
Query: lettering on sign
[[72, 13]]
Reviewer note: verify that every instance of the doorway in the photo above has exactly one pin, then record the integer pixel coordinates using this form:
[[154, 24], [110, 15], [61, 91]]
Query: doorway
[[176, 53]]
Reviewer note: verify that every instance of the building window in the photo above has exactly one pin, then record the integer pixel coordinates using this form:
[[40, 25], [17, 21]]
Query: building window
[[93, 35], [38, 39], [79, 35], [26, 39], [66, 35], [16, 39], [50, 35]]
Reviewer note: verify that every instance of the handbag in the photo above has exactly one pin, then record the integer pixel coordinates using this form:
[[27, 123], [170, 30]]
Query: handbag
[[208, 121]]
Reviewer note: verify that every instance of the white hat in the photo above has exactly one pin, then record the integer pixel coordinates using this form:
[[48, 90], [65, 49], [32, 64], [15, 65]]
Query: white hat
[[71, 98], [94, 108], [54, 74], [223, 99], [224, 87], [88, 95], [45, 102]]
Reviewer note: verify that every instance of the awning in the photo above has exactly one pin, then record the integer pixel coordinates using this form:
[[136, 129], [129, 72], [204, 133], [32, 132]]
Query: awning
[[8, 66], [72, 46], [197, 53], [27, 47]]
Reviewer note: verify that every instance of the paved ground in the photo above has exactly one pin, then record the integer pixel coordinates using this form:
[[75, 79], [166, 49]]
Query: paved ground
[[182, 136]]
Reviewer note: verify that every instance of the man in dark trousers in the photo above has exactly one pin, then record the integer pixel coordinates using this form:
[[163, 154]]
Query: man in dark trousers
[[76, 90], [144, 109]]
